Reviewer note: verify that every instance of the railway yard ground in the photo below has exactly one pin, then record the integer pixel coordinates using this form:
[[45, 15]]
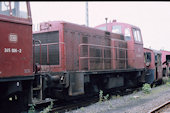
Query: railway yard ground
[[137, 102]]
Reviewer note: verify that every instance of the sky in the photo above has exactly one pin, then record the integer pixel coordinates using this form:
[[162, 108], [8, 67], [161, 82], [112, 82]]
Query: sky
[[153, 18]]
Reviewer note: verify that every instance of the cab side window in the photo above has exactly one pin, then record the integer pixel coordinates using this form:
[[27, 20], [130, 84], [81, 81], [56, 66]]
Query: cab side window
[[4, 8], [16, 9], [19, 9], [127, 34], [137, 35]]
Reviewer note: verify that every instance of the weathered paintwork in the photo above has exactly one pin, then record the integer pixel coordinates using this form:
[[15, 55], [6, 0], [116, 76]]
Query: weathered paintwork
[[85, 49], [166, 62], [15, 46], [135, 53], [155, 66], [164, 53]]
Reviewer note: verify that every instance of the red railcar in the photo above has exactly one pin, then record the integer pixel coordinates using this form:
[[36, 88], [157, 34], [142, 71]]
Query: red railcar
[[166, 62], [153, 65]]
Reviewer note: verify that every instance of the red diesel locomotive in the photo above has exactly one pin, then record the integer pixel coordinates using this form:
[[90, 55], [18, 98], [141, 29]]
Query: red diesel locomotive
[[16, 60], [79, 60], [67, 60]]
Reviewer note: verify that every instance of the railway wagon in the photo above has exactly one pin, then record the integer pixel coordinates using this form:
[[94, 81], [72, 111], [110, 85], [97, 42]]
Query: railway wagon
[[81, 60], [153, 65], [166, 62]]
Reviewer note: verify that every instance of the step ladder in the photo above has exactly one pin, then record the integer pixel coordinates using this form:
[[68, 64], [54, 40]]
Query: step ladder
[[36, 90]]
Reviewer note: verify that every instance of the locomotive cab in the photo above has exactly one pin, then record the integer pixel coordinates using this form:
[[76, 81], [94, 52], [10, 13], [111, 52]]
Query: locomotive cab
[[133, 38], [15, 25], [15, 51]]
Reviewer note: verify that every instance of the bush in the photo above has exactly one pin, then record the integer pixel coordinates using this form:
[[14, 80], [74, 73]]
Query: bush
[[146, 88], [166, 80]]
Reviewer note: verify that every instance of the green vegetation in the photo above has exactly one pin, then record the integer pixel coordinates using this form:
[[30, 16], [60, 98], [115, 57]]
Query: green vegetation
[[82, 109], [166, 80], [146, 88], [32, 109], [48, 109], [102, 97], [153, 86]]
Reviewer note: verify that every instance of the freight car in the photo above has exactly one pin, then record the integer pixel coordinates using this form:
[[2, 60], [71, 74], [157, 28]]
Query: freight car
[[66, 60]]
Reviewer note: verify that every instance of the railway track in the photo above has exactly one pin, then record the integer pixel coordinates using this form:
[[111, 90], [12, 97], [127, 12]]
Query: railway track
[[68, 106], [164, 108], [62, 107]]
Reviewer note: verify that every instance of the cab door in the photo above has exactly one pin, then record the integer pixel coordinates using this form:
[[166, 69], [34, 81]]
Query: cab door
[[138, 48], [158, 66]]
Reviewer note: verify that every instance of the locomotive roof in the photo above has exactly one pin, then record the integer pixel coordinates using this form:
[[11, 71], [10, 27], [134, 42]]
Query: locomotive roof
[[118, 23], [165, 51], [154, 50], [74, 27]]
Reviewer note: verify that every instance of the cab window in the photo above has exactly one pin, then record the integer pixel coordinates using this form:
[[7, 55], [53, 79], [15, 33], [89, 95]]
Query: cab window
[[137, 35], [102, 28], [16, 9], [127, 34], [4, 8], [116, 29], [19, 9]]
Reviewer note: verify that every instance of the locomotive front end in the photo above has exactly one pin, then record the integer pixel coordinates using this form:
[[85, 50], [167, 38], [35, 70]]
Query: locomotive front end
[[15, 51]]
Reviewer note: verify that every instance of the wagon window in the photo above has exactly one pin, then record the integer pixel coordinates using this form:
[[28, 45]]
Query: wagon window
[[168, 58], [4, 8], [155, 58], [158, 59], [147, 57], [116, 29], [19, 9]]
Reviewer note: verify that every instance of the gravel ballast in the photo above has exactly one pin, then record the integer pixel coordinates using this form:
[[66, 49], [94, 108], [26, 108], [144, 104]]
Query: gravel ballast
[[138, 102]]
